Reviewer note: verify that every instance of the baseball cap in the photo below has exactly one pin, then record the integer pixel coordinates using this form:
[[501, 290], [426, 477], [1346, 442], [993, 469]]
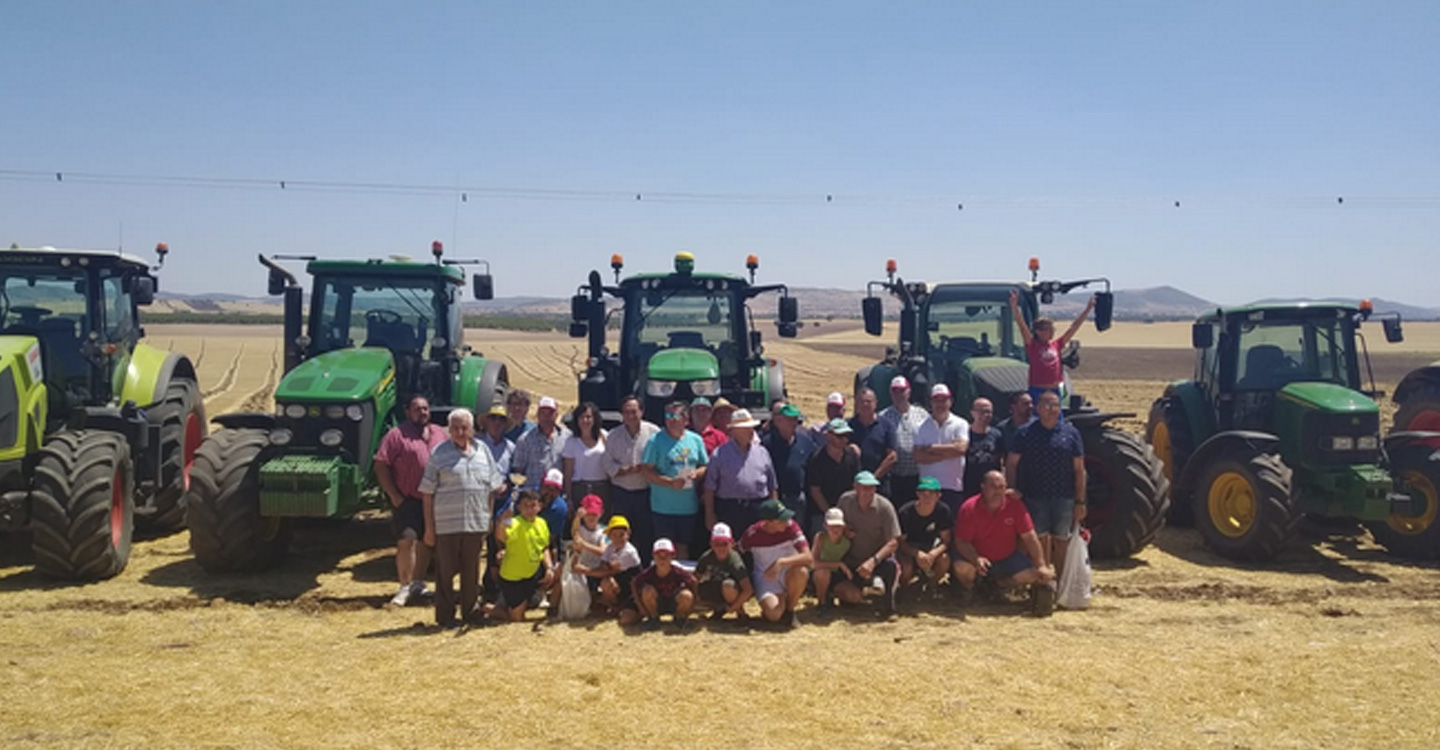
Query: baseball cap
[[743, 418], [700, 401], [940, 389], [834, 517], [497, 410], [929, 483], [592, 504], [663, 545], [789, 410], [899, 383], [722, 531], [547, 403], [835, 399], [617, 522], [867, 479], [774, 510], [838, 426], [554, 478]]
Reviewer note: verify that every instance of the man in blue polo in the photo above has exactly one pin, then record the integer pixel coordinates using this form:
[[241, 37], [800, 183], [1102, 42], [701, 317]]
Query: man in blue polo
[[1048, 460], [790, 449]]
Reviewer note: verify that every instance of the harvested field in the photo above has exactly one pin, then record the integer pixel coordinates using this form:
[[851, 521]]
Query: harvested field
[[1335, 646]]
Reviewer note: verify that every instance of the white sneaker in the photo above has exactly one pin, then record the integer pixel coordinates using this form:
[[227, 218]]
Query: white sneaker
[[402, 597], [417, 588]]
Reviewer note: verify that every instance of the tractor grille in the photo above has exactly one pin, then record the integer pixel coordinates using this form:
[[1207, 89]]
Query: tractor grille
[[1319, 428], [356, 436]]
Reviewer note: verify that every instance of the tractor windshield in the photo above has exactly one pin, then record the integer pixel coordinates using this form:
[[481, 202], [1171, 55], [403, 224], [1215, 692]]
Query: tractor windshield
[[394, 313], [1275, 353], [973, 328], [692, 319], [49, 305]]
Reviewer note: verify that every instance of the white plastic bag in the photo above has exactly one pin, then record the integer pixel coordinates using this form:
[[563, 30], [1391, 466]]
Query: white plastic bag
[[574, 594], [1074, 587]]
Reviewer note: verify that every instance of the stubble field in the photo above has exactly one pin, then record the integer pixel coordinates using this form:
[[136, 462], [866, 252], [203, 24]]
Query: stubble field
[[1336, 645]]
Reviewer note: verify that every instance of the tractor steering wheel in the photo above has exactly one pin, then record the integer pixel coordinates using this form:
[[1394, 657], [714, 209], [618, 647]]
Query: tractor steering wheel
[[383, 316], [30, 315]]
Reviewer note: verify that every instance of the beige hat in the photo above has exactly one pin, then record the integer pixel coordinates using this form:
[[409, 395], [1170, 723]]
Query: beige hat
[[742, 418]]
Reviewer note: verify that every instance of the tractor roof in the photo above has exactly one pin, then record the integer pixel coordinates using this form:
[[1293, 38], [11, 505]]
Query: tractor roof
[[959, 289], [639, 277], [391, 267], [53, 256], [1285, 310]]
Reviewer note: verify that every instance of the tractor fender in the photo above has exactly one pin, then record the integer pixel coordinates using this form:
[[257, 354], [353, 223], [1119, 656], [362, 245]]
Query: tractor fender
[[1088, 419], [1192, 400], [1427, 375], [477, 383], [150, 372], [246, 420], [1214, 446]]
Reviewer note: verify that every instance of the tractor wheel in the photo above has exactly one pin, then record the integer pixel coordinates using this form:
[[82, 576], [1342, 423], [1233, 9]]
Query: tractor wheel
[[83, 505], [1414, 536], [182, 428], [1125, 486], [1421, 411], [1168, 432], [227, 532], [1242, 505]]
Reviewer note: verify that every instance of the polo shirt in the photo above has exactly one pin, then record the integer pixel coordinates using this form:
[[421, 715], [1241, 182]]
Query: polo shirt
[[870, 529], [737, 473], [461, 483], [406, 449], [995, 535], [873, 440], [524, 548], [623, 449], [834, 478], [675, 457], [714, 437], [951, 471], [920, 531], [1047, 466], [790, 459]]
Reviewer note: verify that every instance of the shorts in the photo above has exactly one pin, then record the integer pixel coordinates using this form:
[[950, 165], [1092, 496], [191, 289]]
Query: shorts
[[624, 579], [765, 586], [678, 529], [713, 592], [515, 593], [1017, 561], [1052, 516], [408, 516]]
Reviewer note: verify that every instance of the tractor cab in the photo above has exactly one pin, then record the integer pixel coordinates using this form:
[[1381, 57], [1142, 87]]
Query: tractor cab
[[681, 335]]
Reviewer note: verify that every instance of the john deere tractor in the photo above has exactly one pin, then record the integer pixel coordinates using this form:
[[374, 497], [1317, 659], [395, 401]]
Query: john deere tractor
[[97, 430], [1278, 423], [965, 336], [682, 335], [378, 331]]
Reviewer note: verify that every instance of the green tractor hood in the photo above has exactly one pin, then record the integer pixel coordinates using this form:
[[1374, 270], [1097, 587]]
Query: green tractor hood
[[995, 378], [341, 375], [1328, 397], [683, 364]]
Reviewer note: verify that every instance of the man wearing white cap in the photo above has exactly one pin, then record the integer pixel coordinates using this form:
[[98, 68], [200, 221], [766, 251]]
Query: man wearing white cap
[[940, 447], [905, 421], [539, 450], [834, 409]]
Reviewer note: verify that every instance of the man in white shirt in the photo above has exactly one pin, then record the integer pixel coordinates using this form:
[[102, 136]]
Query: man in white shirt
[[940, 446]]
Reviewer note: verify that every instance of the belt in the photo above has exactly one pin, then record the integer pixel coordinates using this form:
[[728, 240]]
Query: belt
[[743, 500]]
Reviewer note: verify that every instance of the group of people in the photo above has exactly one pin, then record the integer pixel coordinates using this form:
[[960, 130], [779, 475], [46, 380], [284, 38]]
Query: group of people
[[854, 507]]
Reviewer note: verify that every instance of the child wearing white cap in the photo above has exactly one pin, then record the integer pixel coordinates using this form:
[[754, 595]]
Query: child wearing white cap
[[829, 550], [724, 580]]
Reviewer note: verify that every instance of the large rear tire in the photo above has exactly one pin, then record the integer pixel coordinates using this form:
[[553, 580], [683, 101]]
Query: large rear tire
[[83, 506], [182, 429], [1168, 432], [1242, 505], [1126, 492], [1416, 535], [227, 532], [1421, 411]]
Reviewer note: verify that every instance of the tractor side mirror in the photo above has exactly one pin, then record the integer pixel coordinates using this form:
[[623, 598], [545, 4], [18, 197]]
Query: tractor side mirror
[[1202, 335], [580, 308], [788, 330], [276, 285], [578, 329], [1393, 332], [1104, 310], [789, 311], [871, 308], [484, 286], [142, 290]]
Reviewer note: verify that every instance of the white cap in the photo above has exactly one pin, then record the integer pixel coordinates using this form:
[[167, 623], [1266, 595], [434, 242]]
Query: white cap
[[663, 545], [547, 403], [899, 382], [721, 531], [835, 399], [834, 517], [554, 478], [940, 389]]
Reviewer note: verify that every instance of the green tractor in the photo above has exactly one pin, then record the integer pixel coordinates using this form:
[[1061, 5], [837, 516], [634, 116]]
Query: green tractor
[[964, 335], [682, 335], [379, 331], [1277, 423], [97, 430]]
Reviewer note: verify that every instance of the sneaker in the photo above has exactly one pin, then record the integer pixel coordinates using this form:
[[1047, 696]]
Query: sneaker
[[791, 620], [718, 614], [650, 624], [401, 597], [876, 587], [1042, 599], [417, 589]]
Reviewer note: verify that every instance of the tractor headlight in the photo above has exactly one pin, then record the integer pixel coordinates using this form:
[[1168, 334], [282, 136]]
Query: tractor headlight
[[295, 411], [705, 387], [355, 412], [1342, 443], [331, 438], [281, 436], [334, 411], [660, 388], [1367, 443]]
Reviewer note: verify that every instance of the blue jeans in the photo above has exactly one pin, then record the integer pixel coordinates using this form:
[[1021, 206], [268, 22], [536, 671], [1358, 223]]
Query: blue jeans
[[1052, 515]]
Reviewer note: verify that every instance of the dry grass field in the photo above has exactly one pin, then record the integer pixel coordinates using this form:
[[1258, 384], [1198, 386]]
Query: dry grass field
[[1335, 646]]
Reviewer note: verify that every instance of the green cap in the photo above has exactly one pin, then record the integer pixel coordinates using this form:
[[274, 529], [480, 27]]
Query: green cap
[[867, 479], [789, 410], [929, 483], [774, 510], [700, 401], [838, 426]]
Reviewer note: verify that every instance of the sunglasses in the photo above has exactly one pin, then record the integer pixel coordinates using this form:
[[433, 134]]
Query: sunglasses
[[675, 416]]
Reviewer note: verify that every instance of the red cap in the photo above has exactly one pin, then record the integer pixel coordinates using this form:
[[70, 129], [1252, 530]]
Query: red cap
[[592, 504]]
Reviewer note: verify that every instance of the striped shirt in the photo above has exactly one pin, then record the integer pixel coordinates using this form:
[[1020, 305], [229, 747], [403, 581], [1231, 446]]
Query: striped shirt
[[902, 439], [461, 483], [536, 454]]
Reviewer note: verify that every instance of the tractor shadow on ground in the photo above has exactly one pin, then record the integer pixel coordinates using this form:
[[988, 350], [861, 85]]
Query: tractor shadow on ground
[[316, 549], [15, 552], [1304, 555]]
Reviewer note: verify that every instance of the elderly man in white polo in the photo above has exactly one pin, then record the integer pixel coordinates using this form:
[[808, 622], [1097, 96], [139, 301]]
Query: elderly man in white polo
[[456, 491]]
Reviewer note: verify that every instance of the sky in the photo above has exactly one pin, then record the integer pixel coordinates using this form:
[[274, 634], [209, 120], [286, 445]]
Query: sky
[[1301, 140]]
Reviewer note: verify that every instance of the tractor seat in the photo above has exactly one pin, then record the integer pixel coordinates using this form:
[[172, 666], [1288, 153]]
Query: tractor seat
[[1265, 368], [397, 337], [61, 341], [687, 340]]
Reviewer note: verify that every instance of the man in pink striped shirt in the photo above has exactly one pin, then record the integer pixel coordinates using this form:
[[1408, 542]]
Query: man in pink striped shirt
[[399, 466]]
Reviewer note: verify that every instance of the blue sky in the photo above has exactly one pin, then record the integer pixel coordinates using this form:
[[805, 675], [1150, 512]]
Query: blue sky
[[1067, 130]]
